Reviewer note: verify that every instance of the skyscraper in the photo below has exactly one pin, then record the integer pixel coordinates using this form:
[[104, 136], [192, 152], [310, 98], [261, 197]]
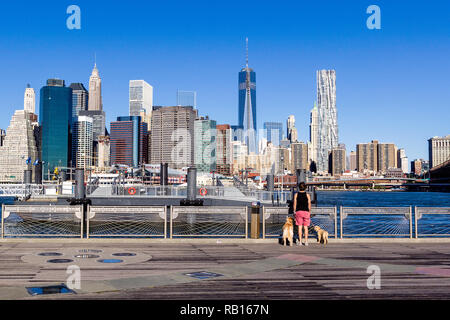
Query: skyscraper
[[240, 151], [387, 156], [82, 142], [419, 166], [284, 160], [327, 116], [55, 118], [172, 136], [352, 161], [95, 90], [80, 97], [292, 133], [29, 101], [141, 100], [98, 129], [376, 156], [224, 152], [205, 144], [438, 150], [337, 161], [98, 124], [299, 156], [104, 149], [274, 132], [186, 98], [19, 146], [247, 104], [402, 160], [313, 134], [367, 156], [2, 136], [128, 141]]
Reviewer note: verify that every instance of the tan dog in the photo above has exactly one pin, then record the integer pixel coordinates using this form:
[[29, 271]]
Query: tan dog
[[321, 235], [288, 231]]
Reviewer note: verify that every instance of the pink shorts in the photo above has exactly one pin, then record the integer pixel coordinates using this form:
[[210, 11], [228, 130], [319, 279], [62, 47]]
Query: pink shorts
[[303, 218]]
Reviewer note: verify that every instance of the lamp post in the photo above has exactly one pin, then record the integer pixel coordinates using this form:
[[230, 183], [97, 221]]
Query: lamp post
[[282, 173], [42, 173]]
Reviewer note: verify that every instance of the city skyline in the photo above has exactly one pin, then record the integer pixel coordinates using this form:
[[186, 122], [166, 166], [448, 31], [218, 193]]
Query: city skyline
[[380, 99], [288, 119]]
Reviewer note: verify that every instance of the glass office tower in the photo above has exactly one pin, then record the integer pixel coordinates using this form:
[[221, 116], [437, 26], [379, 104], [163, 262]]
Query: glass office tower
[[128, 141], [247, 105], [186, 98], [205, 144], [243, 99], [80, 97], [55, 116], [274, 132]]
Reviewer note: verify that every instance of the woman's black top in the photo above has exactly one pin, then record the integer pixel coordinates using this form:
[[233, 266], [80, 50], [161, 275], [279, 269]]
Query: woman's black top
[[302, 202]]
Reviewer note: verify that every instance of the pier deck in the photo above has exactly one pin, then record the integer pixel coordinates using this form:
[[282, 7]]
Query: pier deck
[[265, 270]]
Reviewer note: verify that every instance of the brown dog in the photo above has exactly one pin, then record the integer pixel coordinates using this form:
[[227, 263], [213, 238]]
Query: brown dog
[[321, 235], [288, 231]]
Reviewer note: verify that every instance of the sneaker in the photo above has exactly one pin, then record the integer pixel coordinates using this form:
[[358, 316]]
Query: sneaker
[[306, 243]]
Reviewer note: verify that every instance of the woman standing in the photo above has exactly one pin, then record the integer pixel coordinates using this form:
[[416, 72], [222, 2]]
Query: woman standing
[[302, 208]]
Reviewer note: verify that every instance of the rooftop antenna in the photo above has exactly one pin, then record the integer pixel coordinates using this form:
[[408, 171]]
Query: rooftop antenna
[[95, 59], [246, 52]]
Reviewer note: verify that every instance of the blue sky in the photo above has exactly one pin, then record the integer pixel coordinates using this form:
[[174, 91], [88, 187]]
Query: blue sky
[[392, 84]]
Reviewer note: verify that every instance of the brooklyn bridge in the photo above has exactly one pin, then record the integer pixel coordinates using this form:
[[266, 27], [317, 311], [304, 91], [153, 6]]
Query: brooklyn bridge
[[441, 173]]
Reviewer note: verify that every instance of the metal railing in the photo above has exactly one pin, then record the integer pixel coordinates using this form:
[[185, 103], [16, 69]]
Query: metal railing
[[269, 196], [276, 196], [192, 221], [21, 190], [273, 219], [45, 221], [92, 185], [376, 222], [161, 191], [432, 222], [131, 221], [41, 221]]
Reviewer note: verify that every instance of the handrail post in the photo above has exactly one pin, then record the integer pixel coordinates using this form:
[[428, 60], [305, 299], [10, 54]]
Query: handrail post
[[88, 217], [165, 222], [335, 223], [171, 222], [410, 223], [246, 222], [264, 221], [3, 214], [415, 221], [340, 214]]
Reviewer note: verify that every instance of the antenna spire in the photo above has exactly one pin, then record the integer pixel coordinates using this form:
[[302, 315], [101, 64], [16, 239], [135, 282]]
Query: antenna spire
[[246, 52]]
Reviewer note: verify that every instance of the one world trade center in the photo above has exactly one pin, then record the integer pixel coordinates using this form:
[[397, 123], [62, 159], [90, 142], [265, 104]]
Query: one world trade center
[[247, 105]]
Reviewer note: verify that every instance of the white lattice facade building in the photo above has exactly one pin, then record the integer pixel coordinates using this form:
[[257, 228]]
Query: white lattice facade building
[[327, 117]]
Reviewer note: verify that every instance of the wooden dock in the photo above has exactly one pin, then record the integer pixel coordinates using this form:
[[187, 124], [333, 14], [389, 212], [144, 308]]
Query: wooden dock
[[157, 270]]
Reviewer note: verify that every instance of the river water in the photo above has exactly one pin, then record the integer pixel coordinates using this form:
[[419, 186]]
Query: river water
[[382, 199], [367, 199]]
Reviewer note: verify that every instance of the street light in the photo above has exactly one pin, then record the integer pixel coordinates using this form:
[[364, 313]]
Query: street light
[[42, 171]]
